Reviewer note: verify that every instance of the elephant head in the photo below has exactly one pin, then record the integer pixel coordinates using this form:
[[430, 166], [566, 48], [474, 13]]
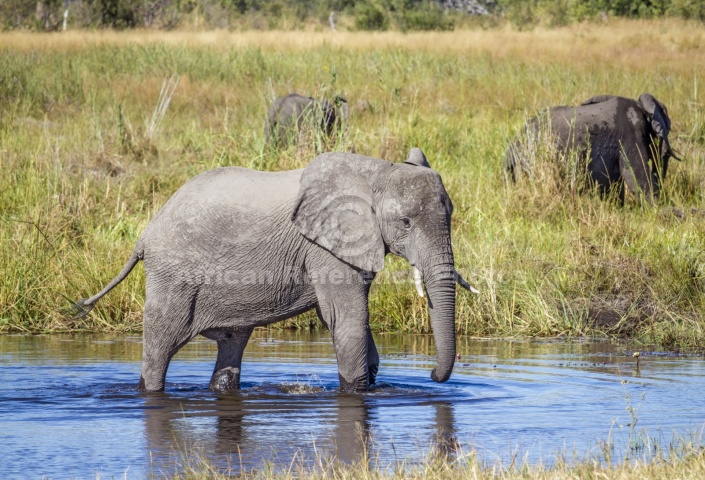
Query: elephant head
[[335, 115], [652, 134], [360, 208], [660, 124]]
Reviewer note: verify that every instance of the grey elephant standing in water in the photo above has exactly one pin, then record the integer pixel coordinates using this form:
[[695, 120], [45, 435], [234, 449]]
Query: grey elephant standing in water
[[616, 140], [288, 115], [234, 249]]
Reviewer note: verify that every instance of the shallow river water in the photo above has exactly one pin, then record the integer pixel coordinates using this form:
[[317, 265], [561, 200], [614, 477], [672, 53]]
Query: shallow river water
[[69, 405]]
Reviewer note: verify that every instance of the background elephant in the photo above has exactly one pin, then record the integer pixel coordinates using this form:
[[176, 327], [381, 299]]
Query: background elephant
[[288, 115], [617, 140], [234, 249]]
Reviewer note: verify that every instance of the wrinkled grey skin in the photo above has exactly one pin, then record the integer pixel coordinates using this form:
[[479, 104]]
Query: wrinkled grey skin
[[288, 114], [234, 249], [620, 141]]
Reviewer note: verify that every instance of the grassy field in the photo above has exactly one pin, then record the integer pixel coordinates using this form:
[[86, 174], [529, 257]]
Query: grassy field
[[85, 164]]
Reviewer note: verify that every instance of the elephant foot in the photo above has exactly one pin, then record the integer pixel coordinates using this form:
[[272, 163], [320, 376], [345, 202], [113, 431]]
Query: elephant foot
[[358, 385], [372, 373], [225, 379], [142, 387]]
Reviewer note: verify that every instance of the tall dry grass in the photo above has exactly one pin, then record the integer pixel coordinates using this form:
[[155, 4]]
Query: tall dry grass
[[82, 176]]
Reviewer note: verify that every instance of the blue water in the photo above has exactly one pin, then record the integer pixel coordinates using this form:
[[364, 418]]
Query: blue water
[[69, 406]]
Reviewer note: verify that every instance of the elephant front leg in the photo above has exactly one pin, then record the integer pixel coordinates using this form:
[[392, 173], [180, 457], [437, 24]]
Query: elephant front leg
[[344, 310], [372, 354], [231, 346]]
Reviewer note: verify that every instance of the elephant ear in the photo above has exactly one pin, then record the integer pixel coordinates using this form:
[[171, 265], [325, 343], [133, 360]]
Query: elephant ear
[[417, 157], [659, 116], [335, 209]]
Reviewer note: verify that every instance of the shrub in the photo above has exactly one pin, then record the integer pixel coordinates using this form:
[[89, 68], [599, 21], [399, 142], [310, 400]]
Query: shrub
[[689, 9], [369, 16], [426, 16]]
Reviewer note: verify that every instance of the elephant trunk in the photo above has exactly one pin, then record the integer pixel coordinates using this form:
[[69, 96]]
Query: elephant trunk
[[666, 152], [439, 279]]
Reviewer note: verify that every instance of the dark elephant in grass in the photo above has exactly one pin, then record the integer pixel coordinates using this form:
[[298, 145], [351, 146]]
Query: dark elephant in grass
[[615, 140], [234, 249], [290, 114]]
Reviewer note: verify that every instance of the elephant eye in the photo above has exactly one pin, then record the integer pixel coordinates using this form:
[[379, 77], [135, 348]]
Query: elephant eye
[[406, 222]]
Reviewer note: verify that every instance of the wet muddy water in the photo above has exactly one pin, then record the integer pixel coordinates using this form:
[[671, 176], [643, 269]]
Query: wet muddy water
[[69, 405]]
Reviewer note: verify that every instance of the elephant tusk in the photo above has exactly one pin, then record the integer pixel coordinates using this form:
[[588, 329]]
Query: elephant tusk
[[418, 281], [461, 281]]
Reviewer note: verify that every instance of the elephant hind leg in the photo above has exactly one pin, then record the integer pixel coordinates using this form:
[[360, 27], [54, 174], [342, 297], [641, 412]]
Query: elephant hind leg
[[167, 327], [372, 358], [231, 346], [156, 356]]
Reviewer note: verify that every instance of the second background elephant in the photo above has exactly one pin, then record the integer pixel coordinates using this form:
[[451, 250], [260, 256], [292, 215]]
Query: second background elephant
[[613, 141]]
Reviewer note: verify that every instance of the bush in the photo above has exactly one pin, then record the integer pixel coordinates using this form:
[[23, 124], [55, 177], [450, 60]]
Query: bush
[[47, 15], [426, 16], [689, 9], [526, 13], [369, 16], [119, 13]]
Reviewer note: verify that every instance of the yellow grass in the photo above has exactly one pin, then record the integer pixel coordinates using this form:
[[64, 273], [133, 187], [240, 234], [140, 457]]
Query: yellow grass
[[632, 41]]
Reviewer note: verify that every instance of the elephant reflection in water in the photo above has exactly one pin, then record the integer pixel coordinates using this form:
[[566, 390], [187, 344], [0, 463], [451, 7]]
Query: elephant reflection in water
[[354, 432], [352, 428], [229, 431], [446, 442], [178, 428]]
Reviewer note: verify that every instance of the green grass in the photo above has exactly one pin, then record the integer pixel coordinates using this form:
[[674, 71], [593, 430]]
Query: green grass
[[81, 176]]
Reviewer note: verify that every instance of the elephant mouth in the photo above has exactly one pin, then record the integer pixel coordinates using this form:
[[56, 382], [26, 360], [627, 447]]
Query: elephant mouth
[[418, 282]]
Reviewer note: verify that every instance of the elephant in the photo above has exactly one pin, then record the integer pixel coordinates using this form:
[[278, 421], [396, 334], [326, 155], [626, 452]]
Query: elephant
[[234, 249], [288, 115], [613, 138]]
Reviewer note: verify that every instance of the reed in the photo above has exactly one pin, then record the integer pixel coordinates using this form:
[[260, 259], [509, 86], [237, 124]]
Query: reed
[[85, 168]]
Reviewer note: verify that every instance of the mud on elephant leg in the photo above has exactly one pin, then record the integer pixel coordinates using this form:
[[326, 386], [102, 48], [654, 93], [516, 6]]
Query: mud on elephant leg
[[231, 346]]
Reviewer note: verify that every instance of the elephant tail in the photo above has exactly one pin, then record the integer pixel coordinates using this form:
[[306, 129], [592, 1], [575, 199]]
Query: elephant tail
[[83, 306]]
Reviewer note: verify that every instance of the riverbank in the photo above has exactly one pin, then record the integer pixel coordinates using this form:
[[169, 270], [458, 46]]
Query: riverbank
[[690, 466], [87, 163]]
